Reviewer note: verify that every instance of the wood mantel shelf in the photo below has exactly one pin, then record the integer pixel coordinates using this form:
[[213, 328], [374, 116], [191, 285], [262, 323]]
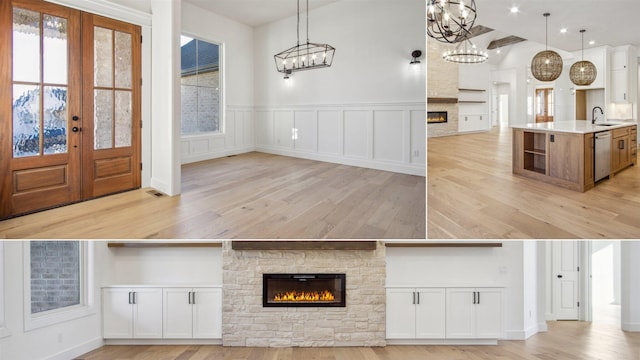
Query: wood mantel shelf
[[442, 100], [303, 245], [162, 244], [443, 244]]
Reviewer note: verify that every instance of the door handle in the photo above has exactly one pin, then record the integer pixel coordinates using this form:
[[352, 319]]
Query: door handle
[[75, 118], [75, 129], [559, 276]]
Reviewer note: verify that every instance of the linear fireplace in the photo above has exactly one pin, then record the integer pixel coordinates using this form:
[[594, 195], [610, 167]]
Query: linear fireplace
[[436, 117], [303, 290]]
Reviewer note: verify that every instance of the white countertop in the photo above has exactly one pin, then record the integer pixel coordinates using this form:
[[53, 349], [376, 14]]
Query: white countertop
[[573, 126]]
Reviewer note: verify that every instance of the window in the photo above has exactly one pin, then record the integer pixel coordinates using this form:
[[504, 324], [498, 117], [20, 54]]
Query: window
[[200, 86], [55, 275], [57, 287]]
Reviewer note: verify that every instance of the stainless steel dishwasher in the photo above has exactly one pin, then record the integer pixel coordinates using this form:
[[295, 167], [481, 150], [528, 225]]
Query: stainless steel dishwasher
[[602, 158]]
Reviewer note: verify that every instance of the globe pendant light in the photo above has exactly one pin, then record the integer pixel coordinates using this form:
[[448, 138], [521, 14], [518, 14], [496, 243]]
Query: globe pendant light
[[583, 72], [450, 21], [547, 64]]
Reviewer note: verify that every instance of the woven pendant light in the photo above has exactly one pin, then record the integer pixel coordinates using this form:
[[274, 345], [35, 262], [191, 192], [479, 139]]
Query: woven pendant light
[[583, 73], [547, 64]]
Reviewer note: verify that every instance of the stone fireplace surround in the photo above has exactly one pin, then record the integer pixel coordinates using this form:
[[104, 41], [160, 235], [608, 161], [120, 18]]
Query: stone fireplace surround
[[245, 322]]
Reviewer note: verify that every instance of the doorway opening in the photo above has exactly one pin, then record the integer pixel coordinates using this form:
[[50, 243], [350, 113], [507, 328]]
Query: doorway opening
[[503, 110], [605, 282]]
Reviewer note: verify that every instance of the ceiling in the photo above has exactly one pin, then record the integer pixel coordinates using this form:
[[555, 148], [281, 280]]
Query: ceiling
[[257, 12], [609, 22]]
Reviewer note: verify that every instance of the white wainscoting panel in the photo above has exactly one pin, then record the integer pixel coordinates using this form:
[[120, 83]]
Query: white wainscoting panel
[[418, 131], [283, 128], [355, 133], [237, 138], [388, 137], [264, 128], [305, 131], [330, 132]]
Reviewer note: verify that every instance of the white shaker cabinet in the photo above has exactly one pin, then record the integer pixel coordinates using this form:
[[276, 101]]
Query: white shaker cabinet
[[132, 313], [474, 313], [192, 313], [415, 313]]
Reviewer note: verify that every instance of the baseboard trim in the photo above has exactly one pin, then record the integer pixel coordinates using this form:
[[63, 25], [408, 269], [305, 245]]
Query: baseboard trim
[[442, 342], [365, 163], [631, 327], [163, 341], [215, 155], [78, 350]]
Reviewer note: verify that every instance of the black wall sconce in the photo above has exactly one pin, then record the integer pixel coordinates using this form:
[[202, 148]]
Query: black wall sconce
[[415, 54]]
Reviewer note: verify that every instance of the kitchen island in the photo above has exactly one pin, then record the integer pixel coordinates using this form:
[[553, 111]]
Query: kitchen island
[[562, 153]]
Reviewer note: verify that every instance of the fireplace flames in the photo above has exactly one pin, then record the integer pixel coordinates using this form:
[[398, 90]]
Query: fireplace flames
[[324, 295]]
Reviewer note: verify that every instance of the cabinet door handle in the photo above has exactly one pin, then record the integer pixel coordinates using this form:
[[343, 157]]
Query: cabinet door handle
[[189, 297], [418, 302], [478, 297], [413, 294], [130, 301], [193, 298], [474, 297], [621, 144], [134, 298]]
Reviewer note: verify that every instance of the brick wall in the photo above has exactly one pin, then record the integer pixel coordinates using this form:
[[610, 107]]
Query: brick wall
[[55, 275], [246, 323], [200, 103]]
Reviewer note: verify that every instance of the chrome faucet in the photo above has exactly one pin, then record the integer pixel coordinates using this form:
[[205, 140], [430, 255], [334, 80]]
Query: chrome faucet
[[593, 114]]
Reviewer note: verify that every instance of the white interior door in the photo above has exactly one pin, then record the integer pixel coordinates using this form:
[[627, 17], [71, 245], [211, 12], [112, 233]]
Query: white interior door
[[565, 279]]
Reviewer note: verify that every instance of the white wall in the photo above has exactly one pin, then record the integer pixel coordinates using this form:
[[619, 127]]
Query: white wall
[[630, 285], [237, 85], [501, 266], [61, 341], [517, 60], [368, 108], [161, 266]]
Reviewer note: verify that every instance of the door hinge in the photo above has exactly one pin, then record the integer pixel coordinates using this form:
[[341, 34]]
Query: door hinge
[[140, 124], [578, 268], [578, 303], [140, 166], [140, 81], [140, 39]]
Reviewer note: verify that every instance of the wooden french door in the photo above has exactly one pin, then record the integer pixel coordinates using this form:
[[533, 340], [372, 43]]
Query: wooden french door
[[544, 105], [69, 106]]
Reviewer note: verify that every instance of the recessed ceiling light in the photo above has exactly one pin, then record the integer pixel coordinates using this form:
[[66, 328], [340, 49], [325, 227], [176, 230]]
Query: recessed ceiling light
[[498, 51], [514, 9], [563, 30], [592, 42]]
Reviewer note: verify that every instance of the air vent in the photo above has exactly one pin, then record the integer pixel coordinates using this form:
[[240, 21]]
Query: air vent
[[155, 193]]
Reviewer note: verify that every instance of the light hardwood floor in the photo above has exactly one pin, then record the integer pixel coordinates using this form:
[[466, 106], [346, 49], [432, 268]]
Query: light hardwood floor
[[567, 340], [472, 193], [249, 196]]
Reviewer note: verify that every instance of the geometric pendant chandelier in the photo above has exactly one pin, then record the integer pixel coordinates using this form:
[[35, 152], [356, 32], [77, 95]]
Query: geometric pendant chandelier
[[583, 72], [306, 56], [547, 64], [450, 21]]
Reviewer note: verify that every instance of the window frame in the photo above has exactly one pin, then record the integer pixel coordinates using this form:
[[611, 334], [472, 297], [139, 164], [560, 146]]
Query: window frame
[[86, 307], [221, 90]]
